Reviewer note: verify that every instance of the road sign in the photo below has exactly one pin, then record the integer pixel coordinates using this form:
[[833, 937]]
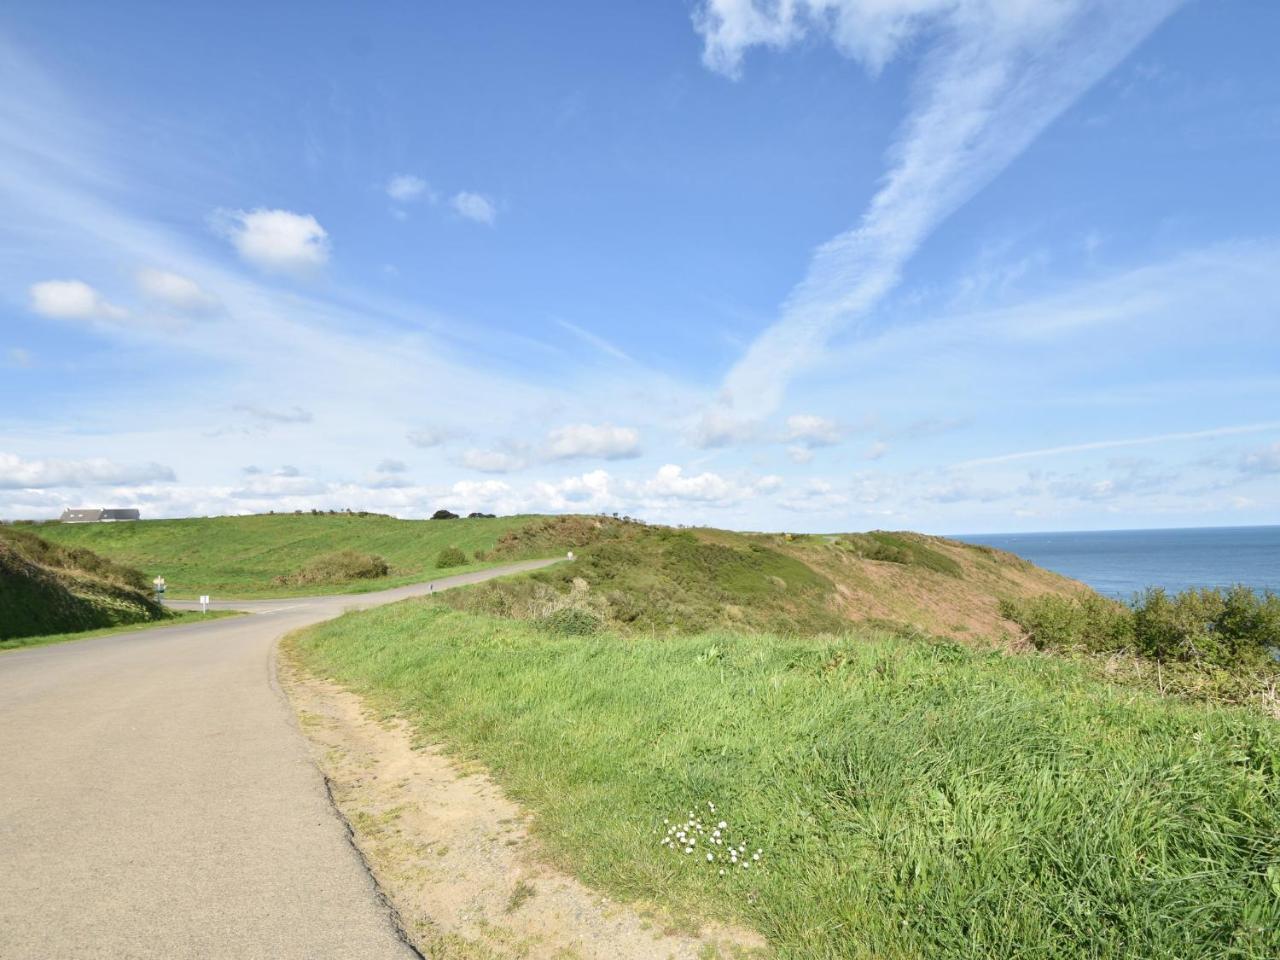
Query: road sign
[[204, 603], [159, 584]]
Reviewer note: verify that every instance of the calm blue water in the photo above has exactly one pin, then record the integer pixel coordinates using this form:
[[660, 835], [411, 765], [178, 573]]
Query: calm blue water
[[1119, 563]]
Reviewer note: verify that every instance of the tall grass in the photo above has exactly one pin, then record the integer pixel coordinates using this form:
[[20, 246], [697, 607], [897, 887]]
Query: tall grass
[[914, 799]]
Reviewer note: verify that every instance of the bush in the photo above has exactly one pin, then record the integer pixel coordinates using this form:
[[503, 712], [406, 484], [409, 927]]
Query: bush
[[1087, 621], [444, 515], [450, 557], [340, 567], [1211, 644], [1222, 628]]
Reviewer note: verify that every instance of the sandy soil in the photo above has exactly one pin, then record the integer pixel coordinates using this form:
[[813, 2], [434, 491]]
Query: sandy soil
[[454, 858]]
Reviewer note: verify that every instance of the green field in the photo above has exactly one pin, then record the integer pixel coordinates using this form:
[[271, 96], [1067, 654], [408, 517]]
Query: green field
[[913, 798], [176, 618], [240, 556]]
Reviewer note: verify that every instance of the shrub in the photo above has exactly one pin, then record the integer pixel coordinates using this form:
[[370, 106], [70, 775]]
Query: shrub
[[450, 557], [340, 567], [444, 515], [1222, 628], [1087, 621], [1236, 630]]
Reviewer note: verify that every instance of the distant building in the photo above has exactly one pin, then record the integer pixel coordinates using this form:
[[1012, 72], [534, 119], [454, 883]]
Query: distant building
[[98, 516]]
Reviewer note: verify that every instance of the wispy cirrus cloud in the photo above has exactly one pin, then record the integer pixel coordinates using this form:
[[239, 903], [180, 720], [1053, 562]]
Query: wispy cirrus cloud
[[991, 78], [1160, 438]]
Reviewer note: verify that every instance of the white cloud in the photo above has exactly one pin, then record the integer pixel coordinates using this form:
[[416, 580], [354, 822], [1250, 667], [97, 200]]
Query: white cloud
[[671, 483], [72, 300], [175, 291], [493, 461], [589, 440], [405, 188], [812, 431], [475, 206], [587, 493], [800, 454], [992, 77], [275, 240], [391, 466], [19, 474], [876, 450]]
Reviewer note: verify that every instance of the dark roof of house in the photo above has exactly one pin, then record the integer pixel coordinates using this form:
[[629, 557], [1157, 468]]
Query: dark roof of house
[[93, 516]]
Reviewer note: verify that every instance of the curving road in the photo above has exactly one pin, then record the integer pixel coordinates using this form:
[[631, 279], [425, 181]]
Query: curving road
[[157, 799]]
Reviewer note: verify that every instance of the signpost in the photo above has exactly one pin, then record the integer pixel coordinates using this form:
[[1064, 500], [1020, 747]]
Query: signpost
[[204, 603], [159, 584]]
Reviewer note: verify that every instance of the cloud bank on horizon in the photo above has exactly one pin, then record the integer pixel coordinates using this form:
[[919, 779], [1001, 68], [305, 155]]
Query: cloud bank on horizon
[[570, 289]]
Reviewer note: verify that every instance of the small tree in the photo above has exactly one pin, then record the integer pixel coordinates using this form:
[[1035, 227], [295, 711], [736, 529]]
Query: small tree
[[444, 515]]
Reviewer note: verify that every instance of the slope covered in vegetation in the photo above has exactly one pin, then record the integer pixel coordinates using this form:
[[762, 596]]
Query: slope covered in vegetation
[[631, 576], [46, 588], [243, 556]]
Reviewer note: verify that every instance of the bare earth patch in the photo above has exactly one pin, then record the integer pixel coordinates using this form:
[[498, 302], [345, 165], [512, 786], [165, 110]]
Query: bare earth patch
[[454, 857]]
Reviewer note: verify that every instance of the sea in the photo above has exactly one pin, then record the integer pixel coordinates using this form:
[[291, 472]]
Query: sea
[[1121, 563]]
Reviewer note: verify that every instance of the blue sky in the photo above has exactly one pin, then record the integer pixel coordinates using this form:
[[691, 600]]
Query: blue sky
[[953, 265]]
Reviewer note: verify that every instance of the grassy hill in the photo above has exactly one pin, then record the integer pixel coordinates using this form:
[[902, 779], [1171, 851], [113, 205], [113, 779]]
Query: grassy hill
[[46, 588], [242, 556], [634, 577]]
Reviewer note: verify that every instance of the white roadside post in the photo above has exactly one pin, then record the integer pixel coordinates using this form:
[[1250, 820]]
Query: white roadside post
[[204, 603]]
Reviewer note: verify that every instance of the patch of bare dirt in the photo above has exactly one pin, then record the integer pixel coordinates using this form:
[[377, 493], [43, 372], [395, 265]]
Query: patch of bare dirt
[[454, 858]]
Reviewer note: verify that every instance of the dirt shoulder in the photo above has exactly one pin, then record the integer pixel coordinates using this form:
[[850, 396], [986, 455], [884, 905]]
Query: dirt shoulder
[[454, 857]]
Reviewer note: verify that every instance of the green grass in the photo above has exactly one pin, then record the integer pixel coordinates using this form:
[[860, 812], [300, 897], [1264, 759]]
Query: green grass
[[913, 798], [177, 618], [240, 556]]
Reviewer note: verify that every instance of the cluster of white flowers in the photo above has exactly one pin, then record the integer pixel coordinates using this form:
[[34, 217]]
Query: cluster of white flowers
[[710, 841]]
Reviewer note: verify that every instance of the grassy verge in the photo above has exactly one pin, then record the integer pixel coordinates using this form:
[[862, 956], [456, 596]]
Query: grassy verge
[[239, 557], [912, 799], [177, 618]]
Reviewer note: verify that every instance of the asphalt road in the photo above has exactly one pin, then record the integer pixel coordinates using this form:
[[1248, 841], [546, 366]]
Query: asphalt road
[[157, 799]]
